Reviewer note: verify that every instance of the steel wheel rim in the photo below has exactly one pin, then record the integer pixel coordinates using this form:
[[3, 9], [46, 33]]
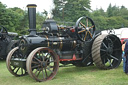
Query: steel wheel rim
[[101, 55], [39, 65], [110, 52], [16, 71]]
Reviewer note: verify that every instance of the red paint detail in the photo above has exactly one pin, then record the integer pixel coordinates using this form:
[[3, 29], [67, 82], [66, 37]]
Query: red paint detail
[[72, 30], [73, 59], [70, 59]]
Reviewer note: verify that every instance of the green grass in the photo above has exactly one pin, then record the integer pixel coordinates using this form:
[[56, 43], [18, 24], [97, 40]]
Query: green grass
[[70, 75]]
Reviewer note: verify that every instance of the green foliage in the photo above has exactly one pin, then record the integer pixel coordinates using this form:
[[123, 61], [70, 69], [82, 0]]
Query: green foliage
[[40, 18], [70, 10], [16, 19], [115, 17]]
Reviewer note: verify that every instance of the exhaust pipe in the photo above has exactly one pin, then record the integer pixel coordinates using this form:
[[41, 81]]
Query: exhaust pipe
[[32, 18]]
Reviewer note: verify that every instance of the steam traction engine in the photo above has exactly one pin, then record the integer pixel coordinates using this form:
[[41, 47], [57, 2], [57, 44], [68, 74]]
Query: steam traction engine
[[40, 53]]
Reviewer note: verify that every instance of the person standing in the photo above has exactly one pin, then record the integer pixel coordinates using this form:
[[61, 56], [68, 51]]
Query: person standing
[[123, 54], [126, 54]]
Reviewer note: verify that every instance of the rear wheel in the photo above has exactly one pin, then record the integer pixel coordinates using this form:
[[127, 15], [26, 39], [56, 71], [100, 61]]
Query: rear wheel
[[106, 51]]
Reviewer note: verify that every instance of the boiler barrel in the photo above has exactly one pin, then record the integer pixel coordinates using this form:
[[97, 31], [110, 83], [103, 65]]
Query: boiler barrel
[[31, 42], [60, 43]]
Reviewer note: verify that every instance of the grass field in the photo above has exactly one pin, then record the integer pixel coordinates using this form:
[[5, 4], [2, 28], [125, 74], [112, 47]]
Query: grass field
[[69, 75]]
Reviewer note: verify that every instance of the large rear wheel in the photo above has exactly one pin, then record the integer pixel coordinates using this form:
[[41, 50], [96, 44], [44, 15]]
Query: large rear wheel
[[106, 51]]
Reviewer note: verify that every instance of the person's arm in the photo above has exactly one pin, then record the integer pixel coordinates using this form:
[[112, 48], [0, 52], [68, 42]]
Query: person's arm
[[123, 46]]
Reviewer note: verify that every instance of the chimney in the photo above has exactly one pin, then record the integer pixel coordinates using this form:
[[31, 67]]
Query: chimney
[[32, 18]]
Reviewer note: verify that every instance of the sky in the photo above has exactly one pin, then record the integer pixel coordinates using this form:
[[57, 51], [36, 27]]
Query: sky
[[48, 4], [105, 3], [41, 4]]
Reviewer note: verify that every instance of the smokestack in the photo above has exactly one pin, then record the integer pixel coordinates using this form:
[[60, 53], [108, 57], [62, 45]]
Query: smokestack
[[32, 18]]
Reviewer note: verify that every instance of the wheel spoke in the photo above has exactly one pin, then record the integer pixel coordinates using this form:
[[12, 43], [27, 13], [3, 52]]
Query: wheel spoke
[[43, 74], [90, 34], [104, 45], [91, 27], [109, 62], [21, 70], [114, 57], [35, 66], [82, 31], [103, 50], [46, 73], [49, 69], [47, 55], [38, 73], [87, 21], [36, 59], [39, 55], [13, 68], [82, 24], [35, 62], [17, 70], [85, 35]]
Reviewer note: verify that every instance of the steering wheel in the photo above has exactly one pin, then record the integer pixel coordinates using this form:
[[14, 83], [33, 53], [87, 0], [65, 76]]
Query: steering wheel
[[3, 30], [85, 29]]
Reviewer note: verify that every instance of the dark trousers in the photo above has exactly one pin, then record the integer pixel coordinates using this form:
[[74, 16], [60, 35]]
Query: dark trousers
[[126, 64]]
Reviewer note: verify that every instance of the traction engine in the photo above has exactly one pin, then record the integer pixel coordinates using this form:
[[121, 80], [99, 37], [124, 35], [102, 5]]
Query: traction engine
[[39, 53]]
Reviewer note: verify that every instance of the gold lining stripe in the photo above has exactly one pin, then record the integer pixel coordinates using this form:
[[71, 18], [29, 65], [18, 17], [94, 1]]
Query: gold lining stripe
[[74, 44], [61, 44], [47, 39], [31, 6]]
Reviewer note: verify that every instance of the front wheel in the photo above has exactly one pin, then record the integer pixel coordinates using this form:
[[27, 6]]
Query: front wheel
[[15, 70], [42, 64]]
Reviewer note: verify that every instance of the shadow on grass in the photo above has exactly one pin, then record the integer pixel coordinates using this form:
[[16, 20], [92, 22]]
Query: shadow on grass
[[77, 70]]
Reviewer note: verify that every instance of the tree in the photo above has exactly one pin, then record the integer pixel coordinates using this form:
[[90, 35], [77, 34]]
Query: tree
[[123, 12], [40, 18], [70, 10], [109, 10], [16, 19], [99, 12]]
